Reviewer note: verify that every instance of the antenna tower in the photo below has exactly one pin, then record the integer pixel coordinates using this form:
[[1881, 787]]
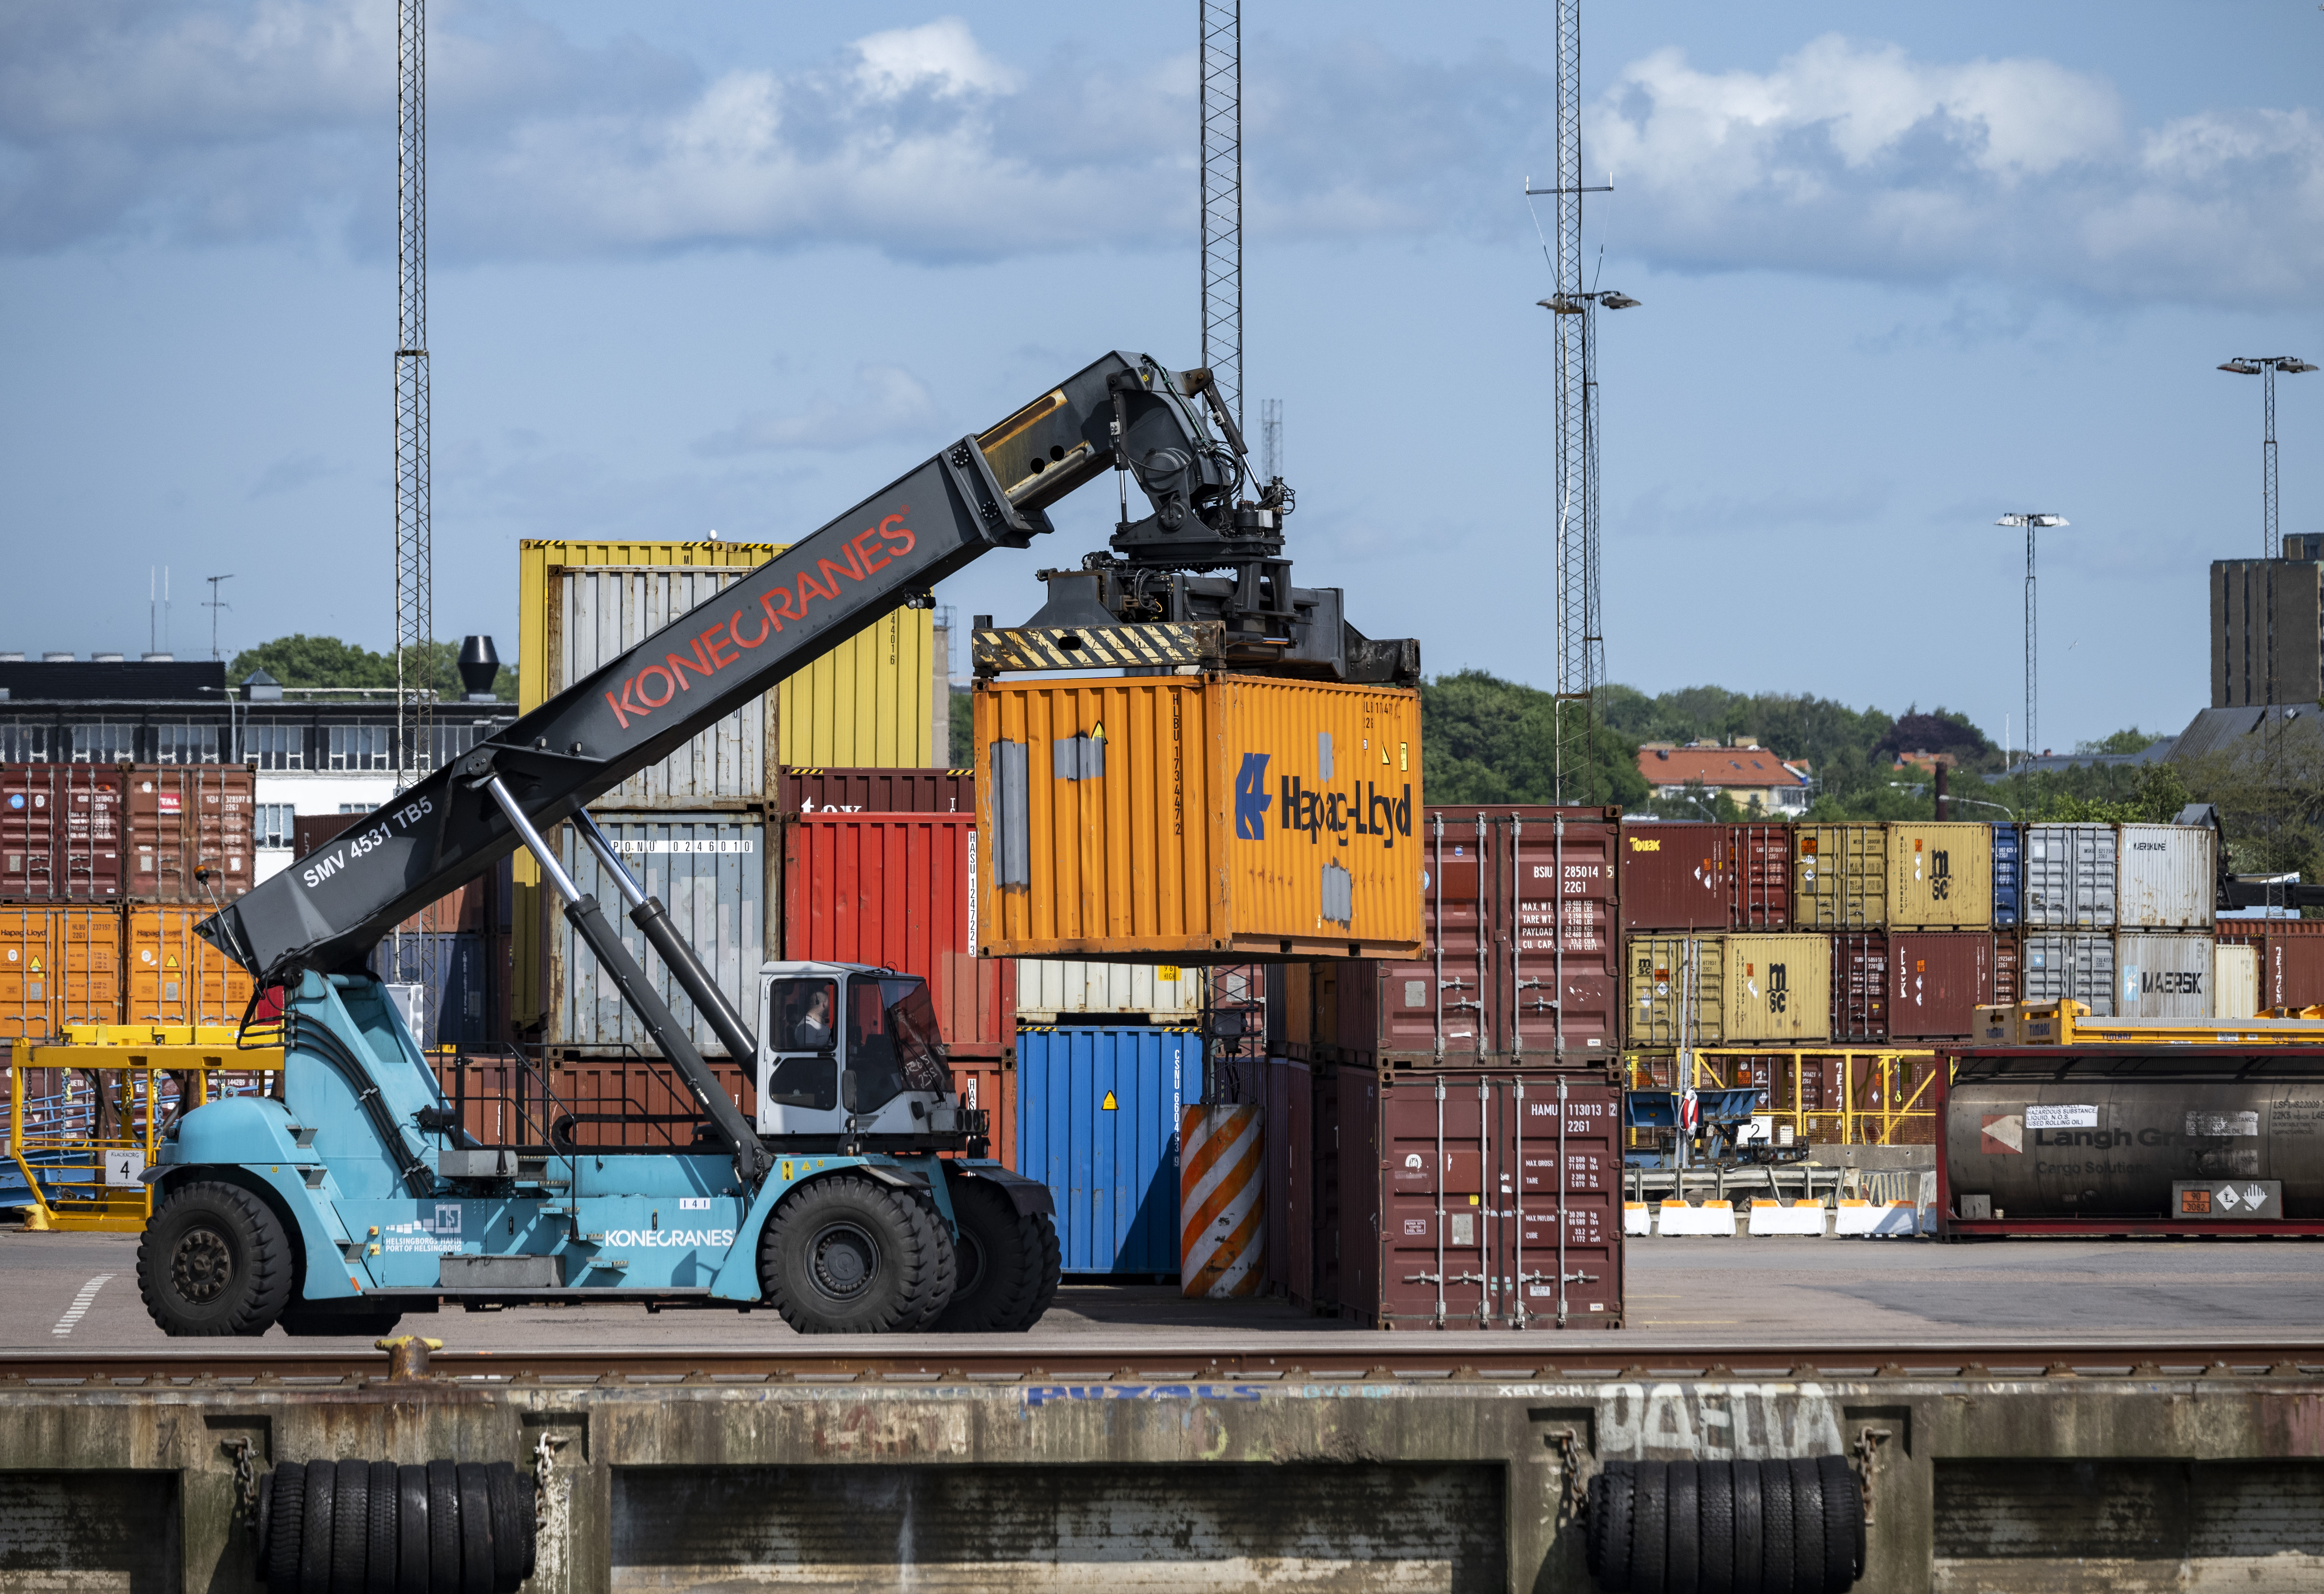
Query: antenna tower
[[1221, 115], [414, 553]]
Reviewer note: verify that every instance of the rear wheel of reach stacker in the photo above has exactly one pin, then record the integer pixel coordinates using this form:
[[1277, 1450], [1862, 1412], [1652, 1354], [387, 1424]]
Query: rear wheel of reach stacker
[[214, 1261], [849, 1256], [1008, 1263]]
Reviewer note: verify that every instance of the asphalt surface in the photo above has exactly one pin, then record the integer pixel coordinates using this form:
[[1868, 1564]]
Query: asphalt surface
[[79, 1292]]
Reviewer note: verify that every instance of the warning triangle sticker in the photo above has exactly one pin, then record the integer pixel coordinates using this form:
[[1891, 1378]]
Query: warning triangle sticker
[[170, 961], [36, 965], [1109, 1103]]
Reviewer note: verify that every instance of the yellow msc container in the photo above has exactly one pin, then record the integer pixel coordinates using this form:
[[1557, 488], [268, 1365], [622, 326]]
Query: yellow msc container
[[1677, 992], [1939, 876], [1839, 877], [1198, 819], [1778, 988]]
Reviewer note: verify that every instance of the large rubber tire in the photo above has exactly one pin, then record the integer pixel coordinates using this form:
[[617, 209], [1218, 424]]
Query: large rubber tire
[[1807, 1527], [351, 1528], [1715, 1508], [303, 1320], [1611, 1495], [1777, 1574], [1750, 1529], [1682, 1561], [510, 1528], [528, 1500], [380, 1554], [213, 1262], [443, 1528], [849, 1256], [1649, 1521], [286, 1520], [1843, 1524], [1003, 1267], [411, 1538], [315, 1540], [477, 1569]]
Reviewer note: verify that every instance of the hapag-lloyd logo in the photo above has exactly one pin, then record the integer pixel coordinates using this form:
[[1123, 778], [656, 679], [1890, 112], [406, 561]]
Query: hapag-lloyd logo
[[869, 550]]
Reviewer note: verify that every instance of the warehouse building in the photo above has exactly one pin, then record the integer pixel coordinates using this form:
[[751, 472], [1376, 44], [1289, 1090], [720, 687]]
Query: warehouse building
[[2267, 627]]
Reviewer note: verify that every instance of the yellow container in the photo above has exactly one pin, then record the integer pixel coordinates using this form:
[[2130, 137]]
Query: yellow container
[[176, 977], [1839, 877], [1778, 988], [1939, 876], [1198, 819], [1677, 990]]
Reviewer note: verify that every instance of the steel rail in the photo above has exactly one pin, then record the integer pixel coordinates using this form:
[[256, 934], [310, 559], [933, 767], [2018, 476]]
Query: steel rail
[[1309, 1363]]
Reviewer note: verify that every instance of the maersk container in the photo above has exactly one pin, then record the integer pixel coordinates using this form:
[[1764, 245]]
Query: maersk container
[[2168, 877], [2054, 966], [1839, 877], [2162, 974], [2069, 876], [1062, 990], [2008, 874], [1939, 876], [710, 872], [1097, 1121], [1188, 819]]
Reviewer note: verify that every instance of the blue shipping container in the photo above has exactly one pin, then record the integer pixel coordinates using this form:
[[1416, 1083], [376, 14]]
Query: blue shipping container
[[2008, 873], [462, 976], [1097, 1121]]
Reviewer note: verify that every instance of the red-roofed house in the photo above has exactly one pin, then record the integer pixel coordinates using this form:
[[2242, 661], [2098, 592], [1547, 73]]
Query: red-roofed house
[[1747, 772]]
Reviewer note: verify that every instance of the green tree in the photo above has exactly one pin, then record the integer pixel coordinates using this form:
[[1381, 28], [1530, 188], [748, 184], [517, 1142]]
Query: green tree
[[1491, 741], [302, 660], [963, 710], [2132, 740]]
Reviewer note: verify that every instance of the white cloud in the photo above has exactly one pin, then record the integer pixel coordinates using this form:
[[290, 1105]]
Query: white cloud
[[942, 55], [888, 401]]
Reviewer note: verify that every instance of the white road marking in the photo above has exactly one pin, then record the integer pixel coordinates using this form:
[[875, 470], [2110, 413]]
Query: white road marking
[[79, 1308]]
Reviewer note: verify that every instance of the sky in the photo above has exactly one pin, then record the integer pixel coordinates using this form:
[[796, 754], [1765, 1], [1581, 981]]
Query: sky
[[729, 268]]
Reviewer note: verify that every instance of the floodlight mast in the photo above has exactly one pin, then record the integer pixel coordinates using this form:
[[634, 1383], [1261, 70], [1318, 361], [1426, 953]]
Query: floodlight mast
[[2032, 522], [2266, 366]]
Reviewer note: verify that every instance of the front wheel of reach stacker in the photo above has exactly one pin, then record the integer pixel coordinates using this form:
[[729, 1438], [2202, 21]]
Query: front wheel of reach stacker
[[1009, 1263], [214, 1261], [849, 1256]]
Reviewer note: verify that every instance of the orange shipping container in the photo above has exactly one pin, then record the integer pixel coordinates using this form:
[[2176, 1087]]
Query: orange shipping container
[[176, 977], [1198, 819], [59, 966], [192, 832]]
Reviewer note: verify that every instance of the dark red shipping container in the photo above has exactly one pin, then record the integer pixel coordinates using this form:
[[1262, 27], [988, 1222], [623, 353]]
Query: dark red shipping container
[[1469, 1200], [2248, 931], [2006, 958], [863, 790], [191, 834], [2291, 970], [1288, 1141], [1937, 980], [1674, 877], [898, 891], [1759, 875], [1524, 964], [1859, 986], [310, 831], [60, 832]]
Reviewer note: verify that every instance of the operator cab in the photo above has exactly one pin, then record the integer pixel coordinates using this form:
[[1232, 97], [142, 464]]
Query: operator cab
[[853, 1053]]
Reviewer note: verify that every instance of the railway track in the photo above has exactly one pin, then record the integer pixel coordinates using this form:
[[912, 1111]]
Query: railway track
[[1150, 1364]]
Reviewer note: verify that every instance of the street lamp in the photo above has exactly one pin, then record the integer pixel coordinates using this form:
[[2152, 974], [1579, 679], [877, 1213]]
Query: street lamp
[[2268, 366], [2031, 522]]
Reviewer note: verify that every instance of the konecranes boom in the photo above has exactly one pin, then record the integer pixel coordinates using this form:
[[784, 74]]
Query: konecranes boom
[[328, 911]]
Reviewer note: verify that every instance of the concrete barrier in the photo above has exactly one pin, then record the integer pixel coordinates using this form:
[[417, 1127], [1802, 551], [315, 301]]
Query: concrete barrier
[[1712, 1217], [1638, 1219], [1874, 1220], [1798, 1217]]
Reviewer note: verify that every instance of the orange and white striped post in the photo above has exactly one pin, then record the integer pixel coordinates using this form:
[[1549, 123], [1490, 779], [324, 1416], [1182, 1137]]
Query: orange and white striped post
[[1222, 1201]]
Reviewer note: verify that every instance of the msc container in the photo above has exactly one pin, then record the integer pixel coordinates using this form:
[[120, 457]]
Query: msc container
[[1522, 963], [1859, 986], [2069, 878], [1057, 991], [457, 970], [2008, 874], [2162, 974], [1759, 877], [190, 832], [1467, 1200], [1936, 983], [174, 976], [710, 872], [1940, 876], [1778, 988], [1674, 877], [877, 791], [2077, 964], [59, 966], [2291, 972], [2235, 981], [2168, 879], [60, 832], [1198, 820], [1097, 1121], [898, 891], [1839, 877]]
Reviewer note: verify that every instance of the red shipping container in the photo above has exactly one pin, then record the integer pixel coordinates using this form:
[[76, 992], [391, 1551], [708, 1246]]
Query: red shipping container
[[1480, 1201], [1759, 875], [2247, 931], [990, 1083], [1937, 980], [2292, 971], [60, 832], [1288, 1141], [877, 791], [2006, 957], [191, 832], [1859, 986], [1519, 918], [898, 891], [1676, 877]]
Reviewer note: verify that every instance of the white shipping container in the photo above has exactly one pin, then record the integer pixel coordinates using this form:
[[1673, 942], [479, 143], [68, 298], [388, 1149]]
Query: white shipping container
[[1059, 990], [2071, 964], [2169, 876], [2071, 877], [601, 612], [2162, 974], [2234, 982]]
